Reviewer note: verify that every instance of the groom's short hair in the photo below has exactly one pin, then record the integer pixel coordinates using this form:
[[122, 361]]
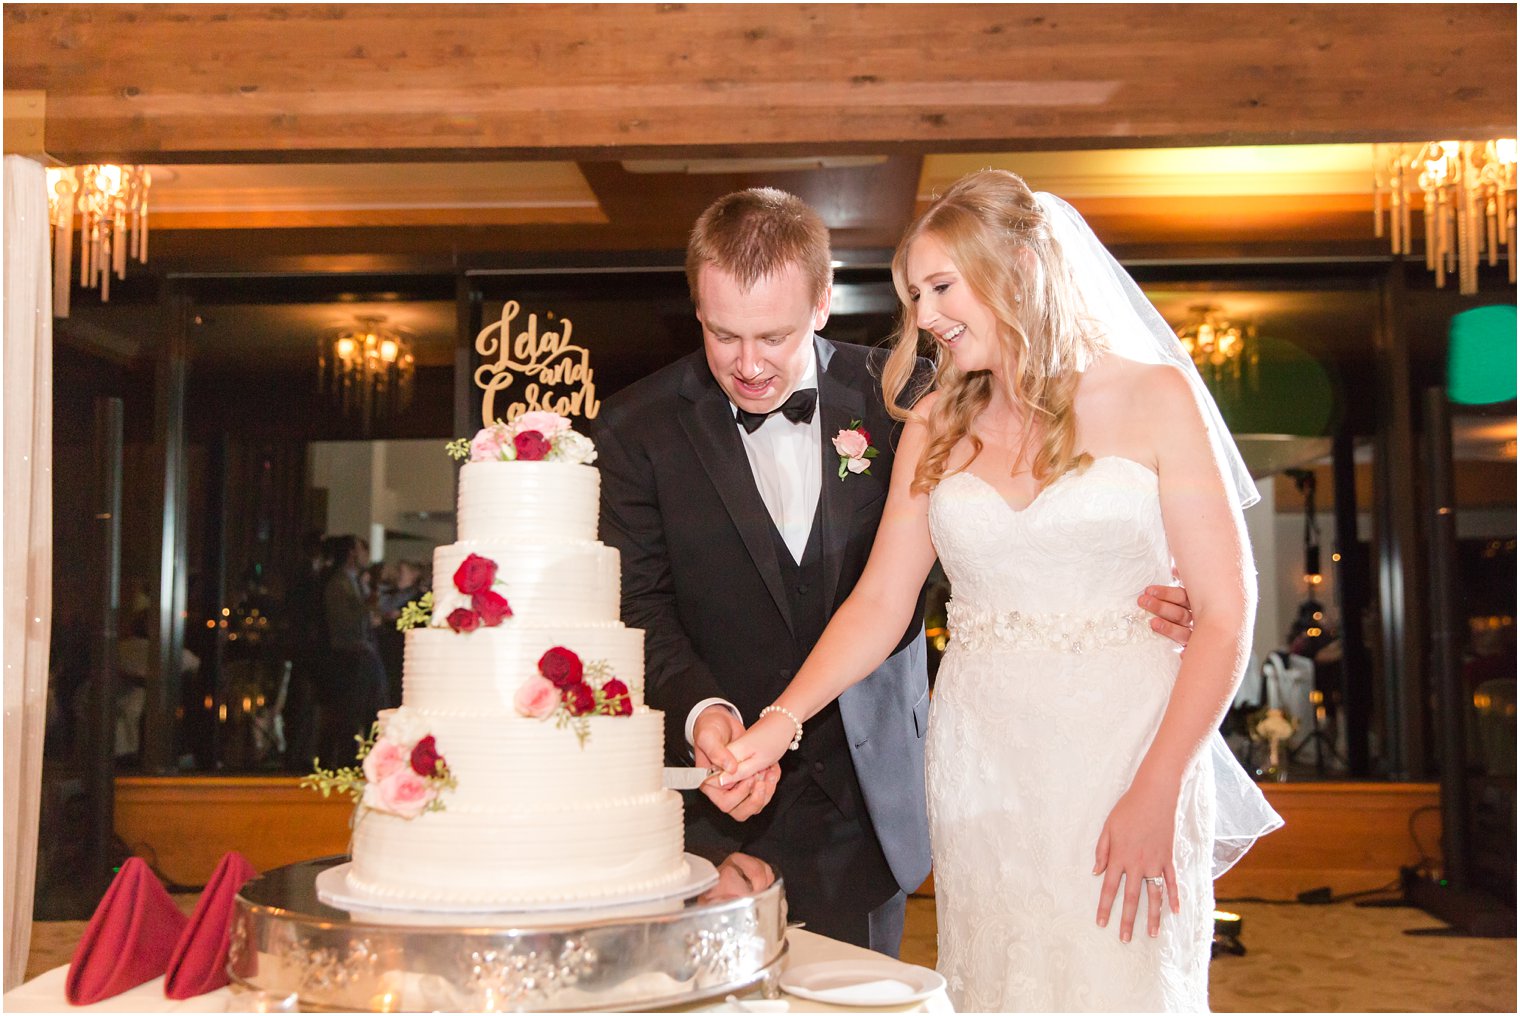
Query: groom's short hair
[[753, 234]]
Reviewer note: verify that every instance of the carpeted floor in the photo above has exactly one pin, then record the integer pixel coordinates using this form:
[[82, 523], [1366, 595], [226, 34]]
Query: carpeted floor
[[1337, 958]]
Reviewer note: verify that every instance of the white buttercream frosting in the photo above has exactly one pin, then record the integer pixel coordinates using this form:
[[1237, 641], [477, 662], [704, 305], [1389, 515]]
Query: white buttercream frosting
[[514, 503], [478, 673], [556, 583], [536, 815]]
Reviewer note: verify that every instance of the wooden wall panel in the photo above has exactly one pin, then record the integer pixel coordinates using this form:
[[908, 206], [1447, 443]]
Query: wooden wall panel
[[267, 82], [183, 825], [1348, 836]]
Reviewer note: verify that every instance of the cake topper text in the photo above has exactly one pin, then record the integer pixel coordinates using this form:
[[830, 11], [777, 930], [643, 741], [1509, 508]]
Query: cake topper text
[[558, 374]]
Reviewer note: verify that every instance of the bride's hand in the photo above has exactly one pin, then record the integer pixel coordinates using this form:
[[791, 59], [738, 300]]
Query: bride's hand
[[760, 746], [1136, 843]]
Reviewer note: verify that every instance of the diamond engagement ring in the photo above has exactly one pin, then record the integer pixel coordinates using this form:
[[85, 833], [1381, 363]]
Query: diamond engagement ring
[[1156, 880]]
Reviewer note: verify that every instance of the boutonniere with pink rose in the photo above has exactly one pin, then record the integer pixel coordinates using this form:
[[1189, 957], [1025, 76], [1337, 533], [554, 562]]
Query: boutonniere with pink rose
[[401, 770], [855, 450]]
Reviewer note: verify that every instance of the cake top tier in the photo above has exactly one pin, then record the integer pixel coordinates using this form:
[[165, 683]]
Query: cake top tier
[[528, 481]]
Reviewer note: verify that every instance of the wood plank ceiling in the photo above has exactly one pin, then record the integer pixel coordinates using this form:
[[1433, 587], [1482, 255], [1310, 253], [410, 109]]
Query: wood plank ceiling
[[606, 85], [261, 82]]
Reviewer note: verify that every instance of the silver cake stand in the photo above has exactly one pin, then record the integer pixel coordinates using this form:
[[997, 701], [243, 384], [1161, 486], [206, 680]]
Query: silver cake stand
[[661, 954]]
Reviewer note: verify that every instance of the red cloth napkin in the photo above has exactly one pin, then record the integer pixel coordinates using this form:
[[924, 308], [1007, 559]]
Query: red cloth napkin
[[199, 963], [129, 939]]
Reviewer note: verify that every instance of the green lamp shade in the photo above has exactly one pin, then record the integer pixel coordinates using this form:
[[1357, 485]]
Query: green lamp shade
[[1292, 394], [1480, 359]]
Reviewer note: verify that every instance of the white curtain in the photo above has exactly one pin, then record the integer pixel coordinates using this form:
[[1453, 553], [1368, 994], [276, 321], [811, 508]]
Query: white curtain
[[26, 386]]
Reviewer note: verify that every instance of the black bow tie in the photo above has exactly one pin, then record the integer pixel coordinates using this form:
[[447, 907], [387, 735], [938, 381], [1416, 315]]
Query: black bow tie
[[798, 408]]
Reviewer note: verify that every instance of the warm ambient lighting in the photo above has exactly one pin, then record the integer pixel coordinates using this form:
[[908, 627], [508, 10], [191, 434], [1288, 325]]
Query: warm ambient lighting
[[1469, 203], [1220, 347], [112, 202], [369, 368]]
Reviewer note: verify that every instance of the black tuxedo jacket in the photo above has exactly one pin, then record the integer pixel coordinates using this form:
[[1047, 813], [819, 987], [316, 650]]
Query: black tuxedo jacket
[[701, 576]]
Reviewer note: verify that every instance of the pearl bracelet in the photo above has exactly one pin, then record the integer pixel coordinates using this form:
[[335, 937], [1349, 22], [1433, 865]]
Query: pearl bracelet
[[797, 740]]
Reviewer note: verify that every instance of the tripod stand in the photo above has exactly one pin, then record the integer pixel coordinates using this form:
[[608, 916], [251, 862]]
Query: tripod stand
[[1323, 742]]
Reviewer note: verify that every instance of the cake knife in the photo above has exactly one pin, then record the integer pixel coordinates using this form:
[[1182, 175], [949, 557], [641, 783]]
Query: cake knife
[[688, 777]]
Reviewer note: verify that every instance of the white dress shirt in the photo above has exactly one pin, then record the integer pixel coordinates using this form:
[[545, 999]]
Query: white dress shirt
[[786, 460]]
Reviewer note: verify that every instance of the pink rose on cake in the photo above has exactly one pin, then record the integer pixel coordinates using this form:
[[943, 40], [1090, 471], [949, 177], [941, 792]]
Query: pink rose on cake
[[382, 760], [536, 697], [402, 793], [489, 444], [547, 424]]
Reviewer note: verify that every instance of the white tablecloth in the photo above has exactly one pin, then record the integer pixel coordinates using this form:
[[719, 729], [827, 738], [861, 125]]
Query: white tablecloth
[[45, 993]]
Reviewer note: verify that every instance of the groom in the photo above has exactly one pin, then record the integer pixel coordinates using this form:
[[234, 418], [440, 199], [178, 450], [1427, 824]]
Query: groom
[[721, 489]]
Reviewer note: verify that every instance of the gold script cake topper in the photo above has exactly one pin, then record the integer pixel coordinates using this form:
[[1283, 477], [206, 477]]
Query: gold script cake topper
[[558, 374]]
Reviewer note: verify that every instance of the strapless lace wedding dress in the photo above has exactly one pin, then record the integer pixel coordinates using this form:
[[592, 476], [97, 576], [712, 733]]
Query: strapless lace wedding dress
[[1045, 702]]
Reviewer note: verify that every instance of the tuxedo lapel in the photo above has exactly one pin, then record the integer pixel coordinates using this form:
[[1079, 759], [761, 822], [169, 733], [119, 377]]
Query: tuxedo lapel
[[708, 419], [841, 403]]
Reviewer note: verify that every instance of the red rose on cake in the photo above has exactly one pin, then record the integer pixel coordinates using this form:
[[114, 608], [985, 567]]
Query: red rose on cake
[[464, 619], [615, 698], [562, 668], [580, 700], [475, 574], [531, 446], [425, 759], [491, 606]]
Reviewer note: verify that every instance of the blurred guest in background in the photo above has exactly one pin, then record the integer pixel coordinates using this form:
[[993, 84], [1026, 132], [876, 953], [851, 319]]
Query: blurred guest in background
[[353, 689], [400, 587]]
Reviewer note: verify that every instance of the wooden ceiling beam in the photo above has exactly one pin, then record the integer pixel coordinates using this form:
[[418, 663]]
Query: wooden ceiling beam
[[863, 206], [277, 82]]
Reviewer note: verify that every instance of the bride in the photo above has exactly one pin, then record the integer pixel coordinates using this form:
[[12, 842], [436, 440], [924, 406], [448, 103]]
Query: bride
[[1081, 801]]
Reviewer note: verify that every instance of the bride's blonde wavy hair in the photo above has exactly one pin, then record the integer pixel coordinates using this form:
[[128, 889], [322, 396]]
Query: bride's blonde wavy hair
[[1000, 241]]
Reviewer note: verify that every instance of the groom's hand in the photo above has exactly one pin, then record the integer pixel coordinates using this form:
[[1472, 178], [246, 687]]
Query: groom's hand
[[1174, 614], [714, 729]]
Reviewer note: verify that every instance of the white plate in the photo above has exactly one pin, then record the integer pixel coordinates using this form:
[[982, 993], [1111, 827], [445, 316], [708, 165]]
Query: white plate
[[333, 889], [861, 982]]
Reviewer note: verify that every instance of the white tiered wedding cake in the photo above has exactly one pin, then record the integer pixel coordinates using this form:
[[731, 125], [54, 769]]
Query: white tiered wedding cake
[[522, 767]]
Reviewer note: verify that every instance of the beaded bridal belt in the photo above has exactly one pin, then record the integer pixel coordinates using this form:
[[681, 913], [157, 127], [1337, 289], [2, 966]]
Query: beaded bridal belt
[[975, 628]]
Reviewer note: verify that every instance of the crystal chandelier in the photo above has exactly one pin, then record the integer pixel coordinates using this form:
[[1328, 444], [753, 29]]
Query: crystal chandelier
[[112, 202], [1469, 203], [1221, 349], [369, 368]]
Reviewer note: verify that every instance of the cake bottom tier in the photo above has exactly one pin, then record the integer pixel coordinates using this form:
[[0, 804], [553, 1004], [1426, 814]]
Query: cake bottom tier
[[600, 850]]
